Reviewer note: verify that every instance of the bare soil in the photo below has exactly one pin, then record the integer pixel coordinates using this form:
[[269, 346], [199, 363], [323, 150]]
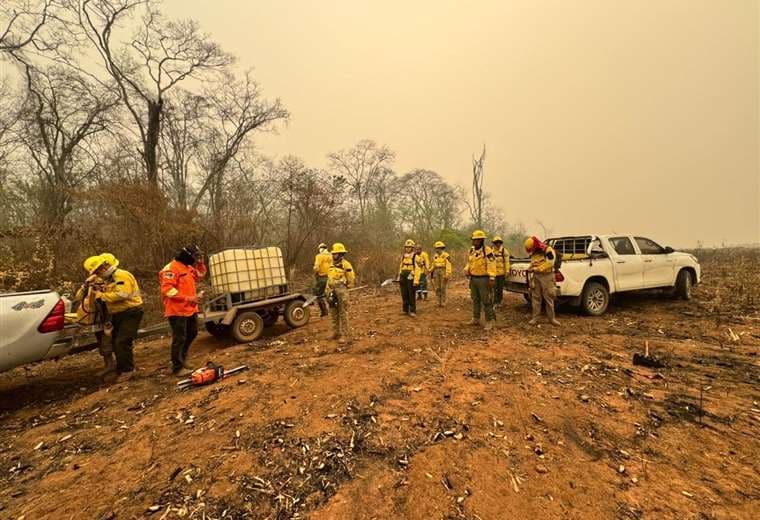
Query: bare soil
[[421, 418]]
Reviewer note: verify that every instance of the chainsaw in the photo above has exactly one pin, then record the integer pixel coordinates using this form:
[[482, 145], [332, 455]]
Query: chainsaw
[[211, 373]]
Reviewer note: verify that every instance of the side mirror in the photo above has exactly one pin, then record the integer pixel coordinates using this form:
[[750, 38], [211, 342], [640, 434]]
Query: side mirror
[[668, 250]]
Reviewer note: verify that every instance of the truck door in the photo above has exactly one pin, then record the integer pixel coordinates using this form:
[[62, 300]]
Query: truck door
[[627, 264], [659, 267]]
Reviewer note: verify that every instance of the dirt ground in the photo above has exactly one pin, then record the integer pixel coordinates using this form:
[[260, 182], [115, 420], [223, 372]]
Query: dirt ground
[[421, 418]]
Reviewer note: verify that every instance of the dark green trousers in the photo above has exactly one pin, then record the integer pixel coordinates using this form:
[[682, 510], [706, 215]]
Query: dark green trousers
[[498, 290], [125, 326], [320, 285], [481, 298], [409, 304]]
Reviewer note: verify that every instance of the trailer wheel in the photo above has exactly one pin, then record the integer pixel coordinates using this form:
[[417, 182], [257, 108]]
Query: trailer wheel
[[248, 326], [217, 329], [295, 315], [595, 299]]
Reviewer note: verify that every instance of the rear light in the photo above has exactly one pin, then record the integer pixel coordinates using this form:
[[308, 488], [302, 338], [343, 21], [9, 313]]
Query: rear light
[[54, 320], [558, 277]]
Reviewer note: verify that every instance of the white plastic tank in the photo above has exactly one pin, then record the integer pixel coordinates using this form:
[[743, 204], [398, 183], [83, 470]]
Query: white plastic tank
[[257, 273]]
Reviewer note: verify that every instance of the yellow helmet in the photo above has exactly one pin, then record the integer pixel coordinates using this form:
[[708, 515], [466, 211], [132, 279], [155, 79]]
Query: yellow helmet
[[321, 246], [497, 238], [409, 243], [478, 234], [338, 248], [108, 257], [530, 244], [439, 244], [92, 263]]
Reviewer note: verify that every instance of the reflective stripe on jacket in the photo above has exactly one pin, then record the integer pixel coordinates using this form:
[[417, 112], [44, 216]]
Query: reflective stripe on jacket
[[542, 261], [121, 292], [341, 273], [481, 262], [410, 265], [502, 260], [177, 284]]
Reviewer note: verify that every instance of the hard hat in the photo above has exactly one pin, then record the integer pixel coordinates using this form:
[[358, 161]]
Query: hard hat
[[478, 234], [322, 245], [91, 264], [108, 257], [497, 238], [530, 244], [439, 244], [338, 248], [409, 243]]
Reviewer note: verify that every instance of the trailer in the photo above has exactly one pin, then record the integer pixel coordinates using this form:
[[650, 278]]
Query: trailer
[[250, 293]]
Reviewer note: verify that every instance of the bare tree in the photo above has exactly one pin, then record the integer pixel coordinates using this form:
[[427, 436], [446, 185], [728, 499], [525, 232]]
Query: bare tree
[[21, 22], [158, 57], [476, 205], [62, 114], [362, 166], [234, 110], [180, 140], [429, 203]]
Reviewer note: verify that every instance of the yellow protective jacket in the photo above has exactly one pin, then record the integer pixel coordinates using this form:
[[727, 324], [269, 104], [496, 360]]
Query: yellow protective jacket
[[502, 260], [322, 263], [87, 311], [543, 261], [481, 262], [121, 292], [441, 261], [410, 265], [341, 273], [423, 259]]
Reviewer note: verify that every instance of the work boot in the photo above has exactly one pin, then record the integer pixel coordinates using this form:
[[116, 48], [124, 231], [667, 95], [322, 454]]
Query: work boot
[[554, 322], [488, 325], [412, 315], [187, 365], [533, 321], [473, 321], [182, 372], [110, 366], [342, 340]]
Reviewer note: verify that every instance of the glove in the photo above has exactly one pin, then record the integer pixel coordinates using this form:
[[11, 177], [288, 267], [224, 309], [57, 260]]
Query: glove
[[491, 283], [191, 299]]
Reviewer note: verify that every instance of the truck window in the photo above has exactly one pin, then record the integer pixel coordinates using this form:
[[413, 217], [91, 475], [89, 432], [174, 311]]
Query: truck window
[[649, 247], [570, 245], [623, 245]]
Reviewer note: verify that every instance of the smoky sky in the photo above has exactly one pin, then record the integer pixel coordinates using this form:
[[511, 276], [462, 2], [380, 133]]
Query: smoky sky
[[598, 116]]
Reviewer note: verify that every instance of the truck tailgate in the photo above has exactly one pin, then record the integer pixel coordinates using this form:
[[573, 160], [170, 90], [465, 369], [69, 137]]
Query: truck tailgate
[[517, 278]]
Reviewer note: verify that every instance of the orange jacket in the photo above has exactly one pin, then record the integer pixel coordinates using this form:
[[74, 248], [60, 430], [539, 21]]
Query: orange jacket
[[178, 288]]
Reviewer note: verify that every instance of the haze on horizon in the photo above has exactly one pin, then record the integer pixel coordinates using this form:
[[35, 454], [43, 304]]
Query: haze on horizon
[[597, 116]]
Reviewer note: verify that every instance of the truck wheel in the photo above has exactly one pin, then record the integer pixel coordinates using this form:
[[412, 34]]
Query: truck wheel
[[248, 326], [683, 285], [295, 315], [217, 329], [269, 317], [595, 299]]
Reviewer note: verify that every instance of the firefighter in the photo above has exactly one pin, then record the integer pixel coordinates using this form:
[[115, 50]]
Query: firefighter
[[481, 270], [121, 295], [322, 262], [423, 263], [541, 279], [94, 312], [440, 272], [501, 254], [409, 278], [180, 298], [340, 278]]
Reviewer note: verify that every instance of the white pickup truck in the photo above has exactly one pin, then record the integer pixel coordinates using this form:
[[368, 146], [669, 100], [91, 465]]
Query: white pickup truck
[[593, 267], [30, 325]]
